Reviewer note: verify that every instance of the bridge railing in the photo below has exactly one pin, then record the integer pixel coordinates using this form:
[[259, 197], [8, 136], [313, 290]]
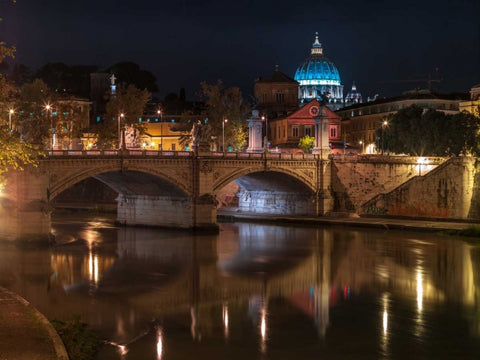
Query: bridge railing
[[114, 153], [170, 154]]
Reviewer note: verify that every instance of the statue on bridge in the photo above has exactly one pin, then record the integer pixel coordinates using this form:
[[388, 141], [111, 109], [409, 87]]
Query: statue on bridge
[[201, 136]]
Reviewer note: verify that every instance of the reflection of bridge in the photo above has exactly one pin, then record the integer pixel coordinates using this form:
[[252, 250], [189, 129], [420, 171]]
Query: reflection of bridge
[[261, 264], [162, 189], [247, 263]]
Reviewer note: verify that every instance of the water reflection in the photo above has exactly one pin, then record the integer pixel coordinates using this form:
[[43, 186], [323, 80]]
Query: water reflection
[[252, 283]]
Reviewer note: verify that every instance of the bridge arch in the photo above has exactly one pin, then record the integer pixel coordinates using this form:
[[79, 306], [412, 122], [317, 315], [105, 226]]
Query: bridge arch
[[303, 178], [59, 183]]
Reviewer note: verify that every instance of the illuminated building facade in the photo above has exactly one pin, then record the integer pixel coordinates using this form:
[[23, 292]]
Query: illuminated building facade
[[287, 132], [319, 79]]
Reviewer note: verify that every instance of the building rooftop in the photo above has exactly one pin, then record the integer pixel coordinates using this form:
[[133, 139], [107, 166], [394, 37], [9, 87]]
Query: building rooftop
[[409, 95], [277, 76]]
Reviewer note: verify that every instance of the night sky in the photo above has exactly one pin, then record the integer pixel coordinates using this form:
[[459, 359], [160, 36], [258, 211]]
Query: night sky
[[184, 42]]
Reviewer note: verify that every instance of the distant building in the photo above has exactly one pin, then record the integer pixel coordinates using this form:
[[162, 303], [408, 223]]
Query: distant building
[[319, 79], [276, 95], [361, 121], [286, 132], [473, 105]]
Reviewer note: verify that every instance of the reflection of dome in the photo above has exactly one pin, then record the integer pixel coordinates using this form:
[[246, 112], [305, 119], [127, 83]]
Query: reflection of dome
[[318, 76], [353, 97]]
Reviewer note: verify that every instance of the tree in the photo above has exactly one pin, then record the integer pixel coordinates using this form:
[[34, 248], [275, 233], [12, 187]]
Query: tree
[[430, 133], [14, 154], [306, 143], [129, 101], [226, 104], [32, 119], [130, 73]]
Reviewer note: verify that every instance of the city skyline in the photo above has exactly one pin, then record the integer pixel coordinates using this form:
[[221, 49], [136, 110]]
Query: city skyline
[[186, 42]]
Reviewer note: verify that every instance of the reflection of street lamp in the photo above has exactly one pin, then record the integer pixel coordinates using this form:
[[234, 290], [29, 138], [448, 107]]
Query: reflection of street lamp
[[384, 125], [10, 113], [223, 134], [121, 116], [48, 109]]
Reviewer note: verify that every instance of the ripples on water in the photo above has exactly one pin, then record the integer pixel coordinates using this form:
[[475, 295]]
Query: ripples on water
[[257, 291]]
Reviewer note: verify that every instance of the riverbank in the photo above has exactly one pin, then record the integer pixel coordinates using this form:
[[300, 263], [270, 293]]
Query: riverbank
[[25, 333], [386, 223]]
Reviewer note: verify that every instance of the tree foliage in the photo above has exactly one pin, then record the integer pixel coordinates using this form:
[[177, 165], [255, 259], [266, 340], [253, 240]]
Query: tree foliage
[[226, 103], [430, 133], [14, 154], [130, 73], [306, 143], [129, 101]]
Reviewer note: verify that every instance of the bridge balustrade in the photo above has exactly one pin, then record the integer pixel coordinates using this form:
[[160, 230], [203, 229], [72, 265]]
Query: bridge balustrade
[[156, 153]]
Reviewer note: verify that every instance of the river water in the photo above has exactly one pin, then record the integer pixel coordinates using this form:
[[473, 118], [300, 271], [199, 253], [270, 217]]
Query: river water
[[256, 291]]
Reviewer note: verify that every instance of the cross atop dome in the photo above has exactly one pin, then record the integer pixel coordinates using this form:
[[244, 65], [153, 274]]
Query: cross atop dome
[[317, 46]]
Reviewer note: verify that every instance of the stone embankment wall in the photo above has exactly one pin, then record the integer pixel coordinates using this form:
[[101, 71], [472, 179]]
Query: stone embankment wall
[[358, 179], [276, 203], [445, 192]]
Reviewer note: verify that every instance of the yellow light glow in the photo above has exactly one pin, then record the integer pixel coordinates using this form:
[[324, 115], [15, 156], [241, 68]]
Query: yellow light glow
[[11, 111], [159, 344], [122, 349], [152, 144], [225, 319], [144, 145], [419, 290]]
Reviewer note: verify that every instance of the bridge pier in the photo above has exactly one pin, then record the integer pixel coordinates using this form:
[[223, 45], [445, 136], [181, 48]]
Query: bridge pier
[[25, 212]]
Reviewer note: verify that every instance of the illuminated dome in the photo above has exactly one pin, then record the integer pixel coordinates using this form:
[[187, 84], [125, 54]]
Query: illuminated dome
[[319, 77]]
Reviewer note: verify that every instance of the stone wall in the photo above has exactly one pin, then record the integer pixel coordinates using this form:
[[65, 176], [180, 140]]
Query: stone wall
[[445, 192], [358, 179], [163, 211], [276, 202]]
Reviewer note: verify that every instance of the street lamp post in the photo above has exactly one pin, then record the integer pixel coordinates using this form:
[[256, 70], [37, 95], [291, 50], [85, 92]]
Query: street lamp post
[[121, 116], [10, 113], [48, 109], [384, 125], [159, 113], [223, 134], [266, 131], [361, 142]]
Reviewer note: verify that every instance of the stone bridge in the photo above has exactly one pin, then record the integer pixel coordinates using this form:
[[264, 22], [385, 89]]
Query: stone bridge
[[165, 188]]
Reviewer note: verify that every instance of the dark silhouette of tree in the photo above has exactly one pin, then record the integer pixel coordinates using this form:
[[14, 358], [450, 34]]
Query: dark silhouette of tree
[[415, 131], [21, 74], [130, 73]]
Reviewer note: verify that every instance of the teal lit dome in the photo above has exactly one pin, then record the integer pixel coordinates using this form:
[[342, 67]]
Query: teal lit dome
[[318, 77]]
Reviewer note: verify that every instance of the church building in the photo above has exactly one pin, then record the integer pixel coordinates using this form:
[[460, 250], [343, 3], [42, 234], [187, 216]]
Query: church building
[[318, 78]]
